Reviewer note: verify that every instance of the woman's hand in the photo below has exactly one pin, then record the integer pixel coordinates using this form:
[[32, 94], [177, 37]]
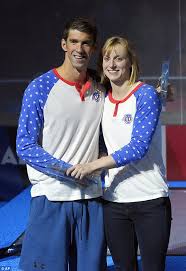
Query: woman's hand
[[80, 171]]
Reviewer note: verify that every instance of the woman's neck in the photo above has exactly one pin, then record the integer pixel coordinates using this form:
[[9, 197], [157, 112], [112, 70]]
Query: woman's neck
[[119, 91]]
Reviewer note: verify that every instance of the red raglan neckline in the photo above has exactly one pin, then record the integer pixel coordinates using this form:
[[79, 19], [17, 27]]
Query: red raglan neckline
[[117, 102], [114, 101], [79, 88], [71, 83]]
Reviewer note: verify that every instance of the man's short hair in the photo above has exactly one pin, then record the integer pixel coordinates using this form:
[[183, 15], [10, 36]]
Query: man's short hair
[[83, 25]]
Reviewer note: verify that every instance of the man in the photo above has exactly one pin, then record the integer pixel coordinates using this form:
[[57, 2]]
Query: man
[[59, 127]]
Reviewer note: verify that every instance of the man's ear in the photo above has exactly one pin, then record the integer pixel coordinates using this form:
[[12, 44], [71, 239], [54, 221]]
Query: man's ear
[[63, 45]]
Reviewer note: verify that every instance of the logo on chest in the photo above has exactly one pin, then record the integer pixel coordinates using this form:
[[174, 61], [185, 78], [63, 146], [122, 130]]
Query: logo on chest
[[96, 96], [127, 118]]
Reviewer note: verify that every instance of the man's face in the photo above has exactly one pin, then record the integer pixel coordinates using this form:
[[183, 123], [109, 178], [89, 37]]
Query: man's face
[[78, 49]]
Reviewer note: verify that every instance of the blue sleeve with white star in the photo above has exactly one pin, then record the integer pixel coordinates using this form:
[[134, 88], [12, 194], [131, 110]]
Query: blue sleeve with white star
[[145, 122], [30, 128]]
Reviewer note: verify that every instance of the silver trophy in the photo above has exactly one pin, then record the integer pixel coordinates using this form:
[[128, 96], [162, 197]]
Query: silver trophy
[[163, 82]]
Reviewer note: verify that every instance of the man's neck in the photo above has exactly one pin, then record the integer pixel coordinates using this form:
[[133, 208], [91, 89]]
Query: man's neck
[[72, 74]]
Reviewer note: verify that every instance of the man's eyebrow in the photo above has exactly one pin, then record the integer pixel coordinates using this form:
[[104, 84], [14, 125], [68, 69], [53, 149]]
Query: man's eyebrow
[[71, 39], [82, 41], [88, 41]]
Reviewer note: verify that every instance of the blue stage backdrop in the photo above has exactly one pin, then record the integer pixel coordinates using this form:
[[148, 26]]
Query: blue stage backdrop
[[13, 177]]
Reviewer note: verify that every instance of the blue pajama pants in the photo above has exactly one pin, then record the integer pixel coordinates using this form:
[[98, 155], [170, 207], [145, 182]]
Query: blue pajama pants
[[62, 236]]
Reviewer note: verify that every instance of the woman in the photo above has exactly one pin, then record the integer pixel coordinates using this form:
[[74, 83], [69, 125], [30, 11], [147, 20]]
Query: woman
[[136, 195]]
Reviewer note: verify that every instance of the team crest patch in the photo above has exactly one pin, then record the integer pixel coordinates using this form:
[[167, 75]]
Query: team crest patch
[[127, 118], [96, 96]]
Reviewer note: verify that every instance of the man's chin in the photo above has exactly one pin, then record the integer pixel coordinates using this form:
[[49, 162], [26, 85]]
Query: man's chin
[[80, 68]]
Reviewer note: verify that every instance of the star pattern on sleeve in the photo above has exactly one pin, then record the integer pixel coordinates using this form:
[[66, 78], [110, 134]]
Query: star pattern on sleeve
[[30, 127], [148, 109]]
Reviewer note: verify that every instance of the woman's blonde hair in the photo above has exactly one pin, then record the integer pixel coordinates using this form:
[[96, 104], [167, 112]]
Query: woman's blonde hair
[[108, 47]]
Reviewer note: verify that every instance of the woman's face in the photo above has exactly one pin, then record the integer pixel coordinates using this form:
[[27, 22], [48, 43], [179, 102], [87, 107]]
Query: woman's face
[[116, 65]]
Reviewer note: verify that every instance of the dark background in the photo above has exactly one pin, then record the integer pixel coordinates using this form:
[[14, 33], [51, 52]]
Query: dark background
[[31, 33]]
